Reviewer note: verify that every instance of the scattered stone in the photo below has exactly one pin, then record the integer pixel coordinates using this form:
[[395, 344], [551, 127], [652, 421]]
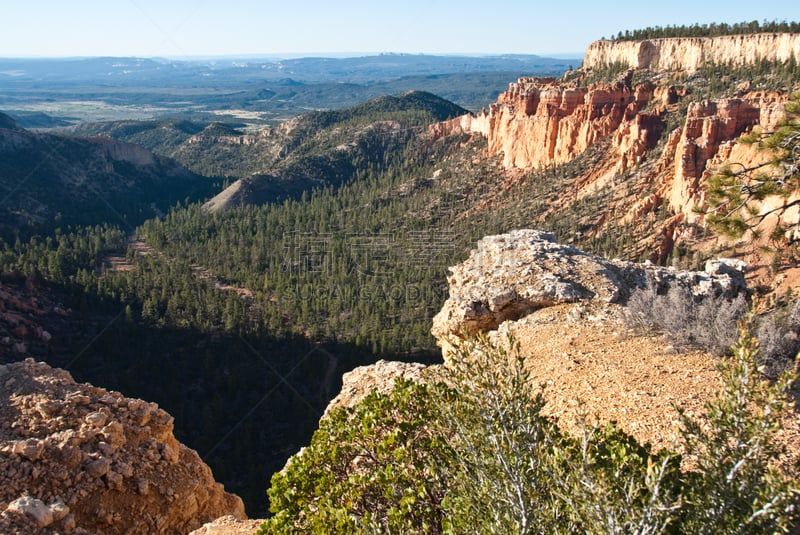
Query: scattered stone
[[32, 449], [73, 445], [59, 510], [32, 508], [96, 419], [114, 480], [169, 454], [98, 467], [114, 434], [69, 523]]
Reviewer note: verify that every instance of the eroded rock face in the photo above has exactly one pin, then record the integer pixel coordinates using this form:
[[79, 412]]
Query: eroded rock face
[[707, 140], [75, 459], [508, 276], [542, 121], [689, 54]]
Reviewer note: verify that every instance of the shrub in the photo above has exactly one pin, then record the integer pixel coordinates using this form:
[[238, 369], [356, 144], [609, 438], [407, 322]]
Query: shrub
[[779, 337], [492, 414], [685, 320], [477, 456], [515, 472], [369, 469], [738, 488]]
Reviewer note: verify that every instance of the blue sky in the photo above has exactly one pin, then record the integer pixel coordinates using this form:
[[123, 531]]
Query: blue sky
[[176, 28]]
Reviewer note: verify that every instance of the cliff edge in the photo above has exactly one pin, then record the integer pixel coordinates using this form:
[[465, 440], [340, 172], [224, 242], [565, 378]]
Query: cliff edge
[[689, 54], [79, 459], [564, 308]]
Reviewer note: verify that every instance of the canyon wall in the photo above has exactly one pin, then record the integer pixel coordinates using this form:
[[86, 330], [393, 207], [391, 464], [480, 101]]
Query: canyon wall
[[689, 54], [543, 122], [540, 122]]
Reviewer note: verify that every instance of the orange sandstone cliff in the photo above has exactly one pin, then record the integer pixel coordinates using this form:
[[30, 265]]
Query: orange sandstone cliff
[[657, 137]]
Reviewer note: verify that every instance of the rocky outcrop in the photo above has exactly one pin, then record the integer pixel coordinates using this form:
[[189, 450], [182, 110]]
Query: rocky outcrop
[[126, 152], [689, 54], [512, 275], [358, 383], [706, 142], [540, 122], [75, 458]]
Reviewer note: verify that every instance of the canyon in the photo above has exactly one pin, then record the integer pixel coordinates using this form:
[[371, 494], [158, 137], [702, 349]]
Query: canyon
[[81, 459]]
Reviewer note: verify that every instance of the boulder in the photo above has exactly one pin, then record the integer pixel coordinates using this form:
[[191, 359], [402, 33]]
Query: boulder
[[508, 276]]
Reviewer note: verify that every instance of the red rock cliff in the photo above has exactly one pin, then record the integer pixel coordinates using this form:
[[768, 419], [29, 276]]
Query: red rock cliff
[[542, 121]]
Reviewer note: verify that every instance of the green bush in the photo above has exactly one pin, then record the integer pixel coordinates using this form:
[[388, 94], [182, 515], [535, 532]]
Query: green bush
[[502, 444], [515, 472], [371, 468], [476, 455], [737, 487]]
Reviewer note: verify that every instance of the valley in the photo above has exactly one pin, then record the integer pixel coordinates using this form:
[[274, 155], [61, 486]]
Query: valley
[[230, 251]]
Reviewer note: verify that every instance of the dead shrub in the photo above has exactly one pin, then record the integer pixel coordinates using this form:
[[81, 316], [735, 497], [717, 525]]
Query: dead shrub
[[686, 320], [779, 337]]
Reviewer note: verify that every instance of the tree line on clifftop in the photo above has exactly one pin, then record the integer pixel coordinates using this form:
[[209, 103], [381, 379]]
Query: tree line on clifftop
[[707, 30]]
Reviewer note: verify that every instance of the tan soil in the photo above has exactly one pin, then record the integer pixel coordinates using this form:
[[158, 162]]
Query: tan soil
[[591, 363], [229, 525]]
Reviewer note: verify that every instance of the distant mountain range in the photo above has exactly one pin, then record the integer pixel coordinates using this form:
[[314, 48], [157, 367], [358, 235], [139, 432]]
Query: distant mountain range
[[232, 72], [48, 93]]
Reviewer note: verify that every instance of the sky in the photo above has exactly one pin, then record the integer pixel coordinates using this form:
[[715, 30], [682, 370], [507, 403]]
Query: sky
[[201, 28]]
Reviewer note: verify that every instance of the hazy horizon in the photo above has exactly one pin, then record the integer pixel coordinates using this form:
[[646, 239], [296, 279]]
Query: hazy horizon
[[185, 29], [302, 55]]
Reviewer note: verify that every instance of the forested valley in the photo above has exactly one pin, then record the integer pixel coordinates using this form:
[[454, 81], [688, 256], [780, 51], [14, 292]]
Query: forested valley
[[240, 320]]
